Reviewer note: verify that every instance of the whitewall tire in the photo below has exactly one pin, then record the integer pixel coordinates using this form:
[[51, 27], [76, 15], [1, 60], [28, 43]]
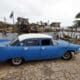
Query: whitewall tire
[[16, 61]]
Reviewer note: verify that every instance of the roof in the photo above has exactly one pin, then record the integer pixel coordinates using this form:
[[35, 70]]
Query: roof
[[33, 35]]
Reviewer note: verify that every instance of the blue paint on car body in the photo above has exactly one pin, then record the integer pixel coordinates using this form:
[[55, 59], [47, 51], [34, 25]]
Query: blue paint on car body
[[56, 49]]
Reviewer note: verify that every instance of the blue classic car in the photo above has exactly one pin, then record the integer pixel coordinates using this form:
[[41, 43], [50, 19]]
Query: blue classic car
[[30, 47]]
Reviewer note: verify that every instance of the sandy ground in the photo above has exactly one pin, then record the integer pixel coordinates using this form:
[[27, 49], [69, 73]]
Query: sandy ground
[[42, 70]]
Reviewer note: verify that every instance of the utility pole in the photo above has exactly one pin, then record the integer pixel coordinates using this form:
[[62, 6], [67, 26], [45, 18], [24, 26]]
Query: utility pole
[[4, 29], [12, 16]]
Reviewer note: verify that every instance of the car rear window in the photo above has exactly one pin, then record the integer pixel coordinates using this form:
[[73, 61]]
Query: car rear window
[[46, 42]]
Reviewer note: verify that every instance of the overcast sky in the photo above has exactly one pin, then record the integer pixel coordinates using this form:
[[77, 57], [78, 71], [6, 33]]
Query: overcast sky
[[62, 11]]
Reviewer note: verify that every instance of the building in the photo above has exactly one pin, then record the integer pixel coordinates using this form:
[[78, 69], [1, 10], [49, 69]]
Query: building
[[55, 25]]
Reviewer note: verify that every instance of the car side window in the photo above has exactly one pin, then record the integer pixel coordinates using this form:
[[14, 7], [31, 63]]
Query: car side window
[[46, 42], [32, 42]]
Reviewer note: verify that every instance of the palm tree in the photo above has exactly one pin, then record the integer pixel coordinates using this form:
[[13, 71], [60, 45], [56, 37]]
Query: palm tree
[[78, 15], [77, 19], [77, 22], [23, 25]]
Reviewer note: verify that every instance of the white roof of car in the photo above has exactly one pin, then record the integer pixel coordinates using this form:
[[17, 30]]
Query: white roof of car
[[33, 35]]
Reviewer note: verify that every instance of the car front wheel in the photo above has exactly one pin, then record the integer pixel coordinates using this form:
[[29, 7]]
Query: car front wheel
[[16, 61], [67, 56]]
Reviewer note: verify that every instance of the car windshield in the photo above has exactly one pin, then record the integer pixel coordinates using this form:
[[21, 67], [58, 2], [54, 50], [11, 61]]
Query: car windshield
[[14, 42]]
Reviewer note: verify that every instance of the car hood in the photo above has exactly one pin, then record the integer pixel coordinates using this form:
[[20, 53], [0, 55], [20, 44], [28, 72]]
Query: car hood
[[4, 42], [66, 43], [63, 43]]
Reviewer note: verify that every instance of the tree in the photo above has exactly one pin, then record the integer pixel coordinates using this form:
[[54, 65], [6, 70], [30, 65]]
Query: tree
[[78, 15], [77, 23], [77, 20], [23, 25]]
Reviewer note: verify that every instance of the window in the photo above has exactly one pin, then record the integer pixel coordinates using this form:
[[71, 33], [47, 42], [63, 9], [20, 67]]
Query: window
[[32, 43], [46, 42]]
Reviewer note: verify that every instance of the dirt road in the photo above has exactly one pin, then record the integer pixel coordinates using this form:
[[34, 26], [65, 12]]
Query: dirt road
[[42, 70]]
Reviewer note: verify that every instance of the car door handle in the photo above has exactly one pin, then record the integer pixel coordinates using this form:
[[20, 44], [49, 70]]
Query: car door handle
[[43, 48], [26, 48]]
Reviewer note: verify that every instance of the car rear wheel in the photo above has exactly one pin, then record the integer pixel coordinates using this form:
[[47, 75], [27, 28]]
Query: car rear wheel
[[16, 61], [67, 56]]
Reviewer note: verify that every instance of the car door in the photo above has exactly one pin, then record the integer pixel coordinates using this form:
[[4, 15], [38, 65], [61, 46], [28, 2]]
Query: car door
[[49, 50], [32, 49]]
